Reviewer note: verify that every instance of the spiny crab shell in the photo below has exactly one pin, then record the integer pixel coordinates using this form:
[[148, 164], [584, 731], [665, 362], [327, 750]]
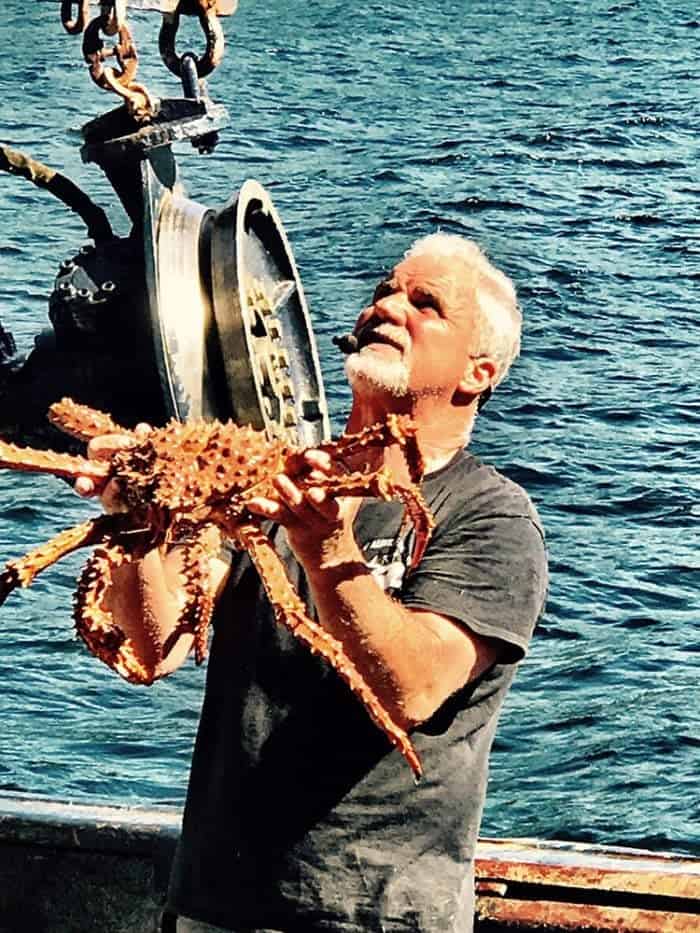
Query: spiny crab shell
[[183, 484]]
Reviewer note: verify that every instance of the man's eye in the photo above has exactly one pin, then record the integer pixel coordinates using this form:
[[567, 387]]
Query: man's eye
[[425, 302], [381, 291]]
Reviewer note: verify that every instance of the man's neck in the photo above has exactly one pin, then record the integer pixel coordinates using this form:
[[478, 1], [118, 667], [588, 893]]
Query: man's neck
[[442, 429]]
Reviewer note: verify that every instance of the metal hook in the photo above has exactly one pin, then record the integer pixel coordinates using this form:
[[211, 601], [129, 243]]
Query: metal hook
[[209, 21]]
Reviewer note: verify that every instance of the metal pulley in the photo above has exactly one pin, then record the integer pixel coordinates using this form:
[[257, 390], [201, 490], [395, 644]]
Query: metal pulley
[[230, 322], [226, 316], [196, 313], [270, 359]]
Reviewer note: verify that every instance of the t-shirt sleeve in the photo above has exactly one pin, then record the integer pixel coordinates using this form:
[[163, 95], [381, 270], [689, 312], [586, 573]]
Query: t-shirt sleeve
[[487, 572]]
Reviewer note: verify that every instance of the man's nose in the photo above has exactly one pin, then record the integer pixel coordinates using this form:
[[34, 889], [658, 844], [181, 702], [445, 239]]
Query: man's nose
[[392, 308]]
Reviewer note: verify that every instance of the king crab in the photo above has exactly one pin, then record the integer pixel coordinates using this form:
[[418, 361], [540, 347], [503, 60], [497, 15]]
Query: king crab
[[179, 482]]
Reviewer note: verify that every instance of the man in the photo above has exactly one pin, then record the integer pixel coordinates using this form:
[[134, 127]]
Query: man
[[300, 816]]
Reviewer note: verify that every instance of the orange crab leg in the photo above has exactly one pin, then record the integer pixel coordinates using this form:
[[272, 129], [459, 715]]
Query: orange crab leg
[[197, 611], [397, 429], [82, 422], [94, 622], [22, 571], [46, 461], [290, 612]]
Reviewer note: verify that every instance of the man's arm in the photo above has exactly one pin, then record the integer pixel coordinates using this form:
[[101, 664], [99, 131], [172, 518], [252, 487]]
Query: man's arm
[[413, 659]]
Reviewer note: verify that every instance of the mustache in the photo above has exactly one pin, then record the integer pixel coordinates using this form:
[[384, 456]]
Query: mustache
[[381, 332]]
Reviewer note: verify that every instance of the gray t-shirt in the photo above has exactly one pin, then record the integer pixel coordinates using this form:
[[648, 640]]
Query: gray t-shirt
[[300, 815]]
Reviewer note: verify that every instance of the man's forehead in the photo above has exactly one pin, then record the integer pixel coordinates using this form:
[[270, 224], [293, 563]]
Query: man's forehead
[[430, 271]]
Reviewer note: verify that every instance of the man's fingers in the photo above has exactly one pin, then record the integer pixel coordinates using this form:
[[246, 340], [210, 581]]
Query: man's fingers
[[305, 504], [295, 505], [290, 493], [319, 460], [324, 505], [103, 448], [84, 486], [265, 508], [107, 490], [302, 504], [106, 445]]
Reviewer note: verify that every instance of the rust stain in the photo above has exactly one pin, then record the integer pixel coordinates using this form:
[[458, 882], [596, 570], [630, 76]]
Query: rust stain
[[594, 868], [550, 915], [485, 886], [583, 876]]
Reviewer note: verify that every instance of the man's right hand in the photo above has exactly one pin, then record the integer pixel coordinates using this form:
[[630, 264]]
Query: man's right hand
[[104, 447]]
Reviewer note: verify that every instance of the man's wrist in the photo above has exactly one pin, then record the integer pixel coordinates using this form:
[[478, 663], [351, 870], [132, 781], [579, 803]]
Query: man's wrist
[[332, 555]]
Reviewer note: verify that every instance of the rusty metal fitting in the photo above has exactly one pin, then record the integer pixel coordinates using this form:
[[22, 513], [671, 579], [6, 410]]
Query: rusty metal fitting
[[139, 102], [75, 26], [205, 10], [95, 54]]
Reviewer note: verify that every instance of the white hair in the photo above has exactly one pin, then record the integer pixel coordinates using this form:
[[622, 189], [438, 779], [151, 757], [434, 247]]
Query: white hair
[[494, 296]]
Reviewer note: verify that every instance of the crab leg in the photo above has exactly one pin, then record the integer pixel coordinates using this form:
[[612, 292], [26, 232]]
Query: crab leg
[[405, 436], [94, 622], [22, 571], [82, 422], [46, 461], [397, 429], [197, 611], [421, 518], [290, 612]]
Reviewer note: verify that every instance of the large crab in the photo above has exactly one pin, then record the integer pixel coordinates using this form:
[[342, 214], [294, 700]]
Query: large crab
[[177, 484]]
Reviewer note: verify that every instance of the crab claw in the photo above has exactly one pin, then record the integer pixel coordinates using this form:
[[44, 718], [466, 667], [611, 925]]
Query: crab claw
[[9, 581]]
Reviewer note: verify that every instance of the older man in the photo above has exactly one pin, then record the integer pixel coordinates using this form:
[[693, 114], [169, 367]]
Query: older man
[[300, 816]]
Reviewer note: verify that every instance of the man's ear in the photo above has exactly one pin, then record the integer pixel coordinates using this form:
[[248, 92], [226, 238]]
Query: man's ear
[[479, 375]]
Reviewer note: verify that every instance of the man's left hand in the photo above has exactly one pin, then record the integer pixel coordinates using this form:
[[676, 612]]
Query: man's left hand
[[319, 526]]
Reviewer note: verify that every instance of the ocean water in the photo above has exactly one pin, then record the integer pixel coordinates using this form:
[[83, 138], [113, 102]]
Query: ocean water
[[564, 138]]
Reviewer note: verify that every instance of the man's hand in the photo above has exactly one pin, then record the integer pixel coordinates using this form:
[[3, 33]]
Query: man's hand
[[103, 448], [319, 527]]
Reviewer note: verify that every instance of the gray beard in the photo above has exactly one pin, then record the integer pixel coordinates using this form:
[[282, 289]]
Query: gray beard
[[368, 370]]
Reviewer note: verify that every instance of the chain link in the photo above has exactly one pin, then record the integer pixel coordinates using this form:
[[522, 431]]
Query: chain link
[[121, 79], [75, 26], [115, 11]]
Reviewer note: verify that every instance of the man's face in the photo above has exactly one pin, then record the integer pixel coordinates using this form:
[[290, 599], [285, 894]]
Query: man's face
[[417, 333]]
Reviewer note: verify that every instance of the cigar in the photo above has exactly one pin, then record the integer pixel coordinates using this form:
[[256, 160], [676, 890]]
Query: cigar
[[346, 343]]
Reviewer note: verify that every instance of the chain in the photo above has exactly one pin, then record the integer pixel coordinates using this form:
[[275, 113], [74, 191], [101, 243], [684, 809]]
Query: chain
[[121, 79], [17, 163]]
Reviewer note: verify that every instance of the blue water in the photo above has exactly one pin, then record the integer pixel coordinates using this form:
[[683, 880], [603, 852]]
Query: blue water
[[564, 137]]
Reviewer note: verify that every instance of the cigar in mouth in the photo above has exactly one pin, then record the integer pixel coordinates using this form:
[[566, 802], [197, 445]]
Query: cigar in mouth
[[346, 343]]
